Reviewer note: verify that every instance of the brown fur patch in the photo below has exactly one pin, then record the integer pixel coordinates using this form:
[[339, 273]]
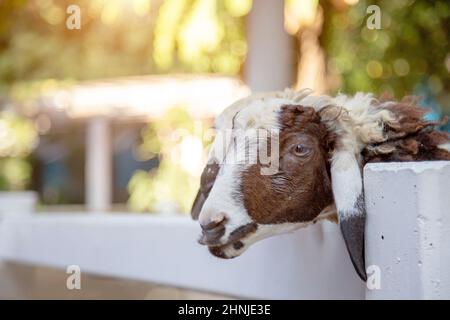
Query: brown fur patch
[[302, 187], [411, 138], [242, 231], [207, 180]]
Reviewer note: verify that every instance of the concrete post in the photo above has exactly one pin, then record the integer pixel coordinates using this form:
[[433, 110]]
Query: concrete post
[[270, 63], [98, 165], [408, 230]]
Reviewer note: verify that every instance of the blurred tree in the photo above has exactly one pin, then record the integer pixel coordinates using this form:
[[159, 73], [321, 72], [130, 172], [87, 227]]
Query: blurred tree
[[118, 38], [408, 55], [17, 139]]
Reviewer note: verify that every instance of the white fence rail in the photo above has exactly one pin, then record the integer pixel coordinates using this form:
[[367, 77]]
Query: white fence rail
[[407, 240], [311, 263]]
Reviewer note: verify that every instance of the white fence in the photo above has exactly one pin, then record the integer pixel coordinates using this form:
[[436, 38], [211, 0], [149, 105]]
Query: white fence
[[408, 229], [308, 264], [407, 240]]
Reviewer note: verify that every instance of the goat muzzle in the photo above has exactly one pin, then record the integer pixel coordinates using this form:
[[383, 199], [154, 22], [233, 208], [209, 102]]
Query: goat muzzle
[[212, 232]]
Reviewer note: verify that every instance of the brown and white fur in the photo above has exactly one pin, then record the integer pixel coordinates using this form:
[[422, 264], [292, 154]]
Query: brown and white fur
[[323, 144]]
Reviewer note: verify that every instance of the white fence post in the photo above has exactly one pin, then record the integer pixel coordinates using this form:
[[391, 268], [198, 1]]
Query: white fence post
[[98, 167], [270, 63], [408, 229]]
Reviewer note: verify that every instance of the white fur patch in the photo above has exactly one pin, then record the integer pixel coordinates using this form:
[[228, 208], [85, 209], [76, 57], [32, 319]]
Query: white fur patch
[[222, 200], [262, 232], [445, 146], [346, 182]]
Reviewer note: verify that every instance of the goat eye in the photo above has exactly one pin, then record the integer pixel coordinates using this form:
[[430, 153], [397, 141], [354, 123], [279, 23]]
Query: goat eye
[[301, 150]]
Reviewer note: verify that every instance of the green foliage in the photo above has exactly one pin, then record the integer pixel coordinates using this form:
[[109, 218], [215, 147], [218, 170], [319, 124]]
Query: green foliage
[[206, 36], [178, 141], [17, 139], [15, 174], [17, 135], [410, 50], [119, 38]]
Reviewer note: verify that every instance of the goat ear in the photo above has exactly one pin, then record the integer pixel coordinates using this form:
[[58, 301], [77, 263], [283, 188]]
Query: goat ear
[[206, 183], [349, 199]]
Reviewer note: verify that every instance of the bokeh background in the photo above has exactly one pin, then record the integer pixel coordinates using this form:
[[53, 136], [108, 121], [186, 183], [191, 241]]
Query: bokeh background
[[115, 115]]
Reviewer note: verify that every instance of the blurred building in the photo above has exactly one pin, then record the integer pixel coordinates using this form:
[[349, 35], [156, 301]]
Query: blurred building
[[94, 128], [91, 129]]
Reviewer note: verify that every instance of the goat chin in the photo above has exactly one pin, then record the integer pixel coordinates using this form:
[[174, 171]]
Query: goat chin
[[236, 248], [229, 251]]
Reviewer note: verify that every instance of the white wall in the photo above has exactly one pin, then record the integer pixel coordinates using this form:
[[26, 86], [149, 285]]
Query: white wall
[[17, 202], [311, 263]]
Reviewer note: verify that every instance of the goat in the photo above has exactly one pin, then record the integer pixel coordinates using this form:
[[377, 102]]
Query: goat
[[323, 143]]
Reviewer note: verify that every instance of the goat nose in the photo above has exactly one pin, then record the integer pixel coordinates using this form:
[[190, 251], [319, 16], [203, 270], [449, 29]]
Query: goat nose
[[213, 223], [209, 219], [212, 231]]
